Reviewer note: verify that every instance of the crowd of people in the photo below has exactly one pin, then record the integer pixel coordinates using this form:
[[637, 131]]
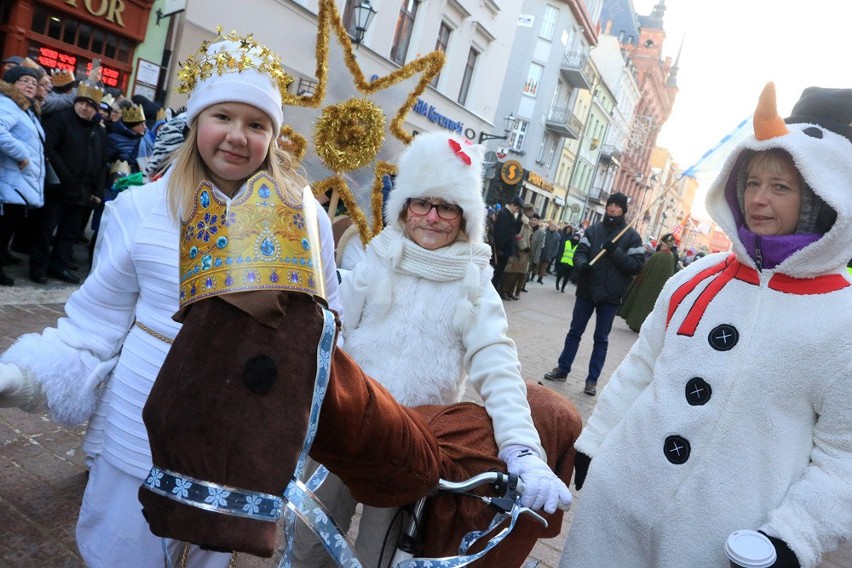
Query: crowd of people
[[64, 143], [766, 429]]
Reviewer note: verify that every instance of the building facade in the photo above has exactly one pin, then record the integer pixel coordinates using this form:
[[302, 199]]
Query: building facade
[[549, 68], [72, 34]]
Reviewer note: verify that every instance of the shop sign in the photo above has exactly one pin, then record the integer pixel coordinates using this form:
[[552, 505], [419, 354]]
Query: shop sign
[[512, 172], [425, 109], [55, 59], [539, 181], [110, 10]]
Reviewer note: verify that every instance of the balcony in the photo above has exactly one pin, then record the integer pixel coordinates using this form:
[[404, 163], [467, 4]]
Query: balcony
[[563, 122], [598, 195], [576, 68], [610, 152]]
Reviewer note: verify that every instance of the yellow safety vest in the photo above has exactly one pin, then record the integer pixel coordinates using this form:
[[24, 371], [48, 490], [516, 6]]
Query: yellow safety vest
[[568, 253]]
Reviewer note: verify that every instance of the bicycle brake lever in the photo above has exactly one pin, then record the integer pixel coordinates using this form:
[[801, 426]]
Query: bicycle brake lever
[[535, 515]]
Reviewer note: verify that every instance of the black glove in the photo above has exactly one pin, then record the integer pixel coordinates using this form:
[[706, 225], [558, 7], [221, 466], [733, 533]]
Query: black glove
[[583, 268], [610, 247], [786, 557], [581, 467]]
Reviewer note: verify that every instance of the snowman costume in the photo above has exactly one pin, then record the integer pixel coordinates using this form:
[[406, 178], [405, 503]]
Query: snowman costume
[[733, 409]]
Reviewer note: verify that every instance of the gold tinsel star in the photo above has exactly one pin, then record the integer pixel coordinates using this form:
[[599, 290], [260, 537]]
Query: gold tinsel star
[[350, 139]]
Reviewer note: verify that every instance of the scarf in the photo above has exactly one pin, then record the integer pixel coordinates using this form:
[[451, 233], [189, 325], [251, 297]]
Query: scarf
[[770, 251], [454, 262]]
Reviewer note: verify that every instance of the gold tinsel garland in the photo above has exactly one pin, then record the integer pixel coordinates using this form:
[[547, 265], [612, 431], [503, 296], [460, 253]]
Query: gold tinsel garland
[[327, 139]]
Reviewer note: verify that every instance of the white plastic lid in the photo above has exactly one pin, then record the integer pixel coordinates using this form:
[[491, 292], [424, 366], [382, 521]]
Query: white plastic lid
[[750, 549]]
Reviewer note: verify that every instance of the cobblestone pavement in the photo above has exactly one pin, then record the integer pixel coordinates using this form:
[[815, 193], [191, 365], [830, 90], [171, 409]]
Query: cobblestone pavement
[[42, 467]]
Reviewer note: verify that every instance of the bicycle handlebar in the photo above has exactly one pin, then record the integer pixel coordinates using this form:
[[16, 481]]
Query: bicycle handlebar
[[501, 481]]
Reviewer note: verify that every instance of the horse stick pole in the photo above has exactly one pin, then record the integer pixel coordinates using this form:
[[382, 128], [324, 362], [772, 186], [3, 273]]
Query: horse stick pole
[[662, 194]]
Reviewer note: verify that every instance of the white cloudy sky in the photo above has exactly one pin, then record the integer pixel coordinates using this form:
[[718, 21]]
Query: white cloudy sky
[[732, 48]]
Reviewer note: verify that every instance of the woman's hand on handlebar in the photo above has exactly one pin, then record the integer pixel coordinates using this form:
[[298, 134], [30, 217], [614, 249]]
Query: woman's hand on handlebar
[[542, 489]]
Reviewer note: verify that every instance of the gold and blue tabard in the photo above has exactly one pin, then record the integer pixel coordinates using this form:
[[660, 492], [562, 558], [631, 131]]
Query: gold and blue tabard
[[261, 241]]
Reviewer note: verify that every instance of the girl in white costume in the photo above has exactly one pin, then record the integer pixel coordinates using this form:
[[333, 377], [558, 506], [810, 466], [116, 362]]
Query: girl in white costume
[[422, 318], [100, 361]]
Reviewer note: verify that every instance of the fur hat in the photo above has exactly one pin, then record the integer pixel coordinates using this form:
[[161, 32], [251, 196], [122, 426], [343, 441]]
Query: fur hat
[[439, 164], [17, 72], [249, 80], [619, 199]]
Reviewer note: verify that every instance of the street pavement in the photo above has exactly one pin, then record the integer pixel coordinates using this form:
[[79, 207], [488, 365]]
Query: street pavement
[[42, 467]]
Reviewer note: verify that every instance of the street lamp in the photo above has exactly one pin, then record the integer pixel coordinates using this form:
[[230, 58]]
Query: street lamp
[[510, 123], [362, 16]]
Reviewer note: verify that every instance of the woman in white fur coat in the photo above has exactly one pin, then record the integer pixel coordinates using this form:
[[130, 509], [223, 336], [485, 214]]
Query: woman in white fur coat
[[421, 316], [753, 429]]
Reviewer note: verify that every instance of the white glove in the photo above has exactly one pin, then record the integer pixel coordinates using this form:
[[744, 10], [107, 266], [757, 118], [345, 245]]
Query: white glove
[[18, 390], [542, 488]]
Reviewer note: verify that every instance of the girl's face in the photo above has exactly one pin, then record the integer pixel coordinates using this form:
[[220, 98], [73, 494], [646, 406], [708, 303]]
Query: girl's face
[[233, 141], [773, 195]]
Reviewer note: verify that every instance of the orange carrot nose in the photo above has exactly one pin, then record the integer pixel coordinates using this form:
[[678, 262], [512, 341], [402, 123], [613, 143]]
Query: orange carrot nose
[[767, 123]]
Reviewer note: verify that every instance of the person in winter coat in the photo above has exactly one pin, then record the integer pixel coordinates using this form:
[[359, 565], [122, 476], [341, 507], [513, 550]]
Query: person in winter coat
[[647, 286], [515, 272], [507, 225], [425, 283], [552, 247], [753, 430], [600, 287], [22, 163], [126, 135], [75, 145], [536, 246]]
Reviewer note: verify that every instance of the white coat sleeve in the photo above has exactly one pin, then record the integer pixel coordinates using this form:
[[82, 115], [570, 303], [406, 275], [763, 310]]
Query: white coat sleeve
[[71, 361], [816, 512], [630, 379], [353, 294], [491, 361]]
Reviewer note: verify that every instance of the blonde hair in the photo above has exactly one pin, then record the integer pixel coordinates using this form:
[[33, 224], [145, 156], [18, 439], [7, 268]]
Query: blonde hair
[[188, 171]]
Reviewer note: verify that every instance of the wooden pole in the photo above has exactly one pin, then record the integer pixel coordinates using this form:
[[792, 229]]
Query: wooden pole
[[332, 203]]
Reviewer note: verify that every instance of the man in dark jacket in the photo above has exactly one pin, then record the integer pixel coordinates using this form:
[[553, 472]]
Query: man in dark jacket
[[506, 227], [600, 287], [75, 145]]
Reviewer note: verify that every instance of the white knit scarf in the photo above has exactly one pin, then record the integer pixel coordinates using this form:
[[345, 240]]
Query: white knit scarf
[[456, 261]]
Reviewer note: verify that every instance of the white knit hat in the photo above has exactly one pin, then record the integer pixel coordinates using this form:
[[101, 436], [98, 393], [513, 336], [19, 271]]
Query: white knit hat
[[440, 164], [232, 70]]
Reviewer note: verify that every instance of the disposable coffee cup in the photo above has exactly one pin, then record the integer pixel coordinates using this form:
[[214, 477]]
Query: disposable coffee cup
[[749, 549]]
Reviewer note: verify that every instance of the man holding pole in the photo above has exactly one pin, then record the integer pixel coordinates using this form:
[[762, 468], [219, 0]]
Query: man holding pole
[[608, 256]]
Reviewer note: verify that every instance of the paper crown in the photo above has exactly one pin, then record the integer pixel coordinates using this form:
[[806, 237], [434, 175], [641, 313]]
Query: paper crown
[[132, 114], [120, 167], [90, 91], [260, 241], [109, 101], [61, 77]]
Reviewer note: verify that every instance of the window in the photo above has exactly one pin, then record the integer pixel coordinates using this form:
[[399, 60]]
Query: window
[[517, 135], [533, 78], [441, 45], [402, 34], [307, 87], [551, 153], [84, 36], [541, 147], [548, 22], [469, 68]]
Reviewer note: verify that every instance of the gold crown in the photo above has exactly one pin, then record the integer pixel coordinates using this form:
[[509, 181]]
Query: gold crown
[[120, 167], [250, 55], [133, 113], [61, 77], [260, 241], [87, 90], [109, 100]]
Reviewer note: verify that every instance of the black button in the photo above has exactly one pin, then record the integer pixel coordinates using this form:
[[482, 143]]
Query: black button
[[698, 392], [676, 449], [723, 337]]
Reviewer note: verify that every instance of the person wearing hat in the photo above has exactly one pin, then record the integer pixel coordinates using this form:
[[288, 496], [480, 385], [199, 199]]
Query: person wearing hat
[[515, 272], [646, 287], [21, 156], [425, 282], [11, 61], [600, 286], [63, 93], [733, 410], [507, 225], [126, 135], [75, 145]]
